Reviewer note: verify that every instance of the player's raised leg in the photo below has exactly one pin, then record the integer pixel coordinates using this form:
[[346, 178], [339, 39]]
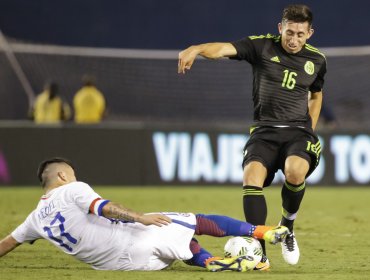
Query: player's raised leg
[[292, 194]]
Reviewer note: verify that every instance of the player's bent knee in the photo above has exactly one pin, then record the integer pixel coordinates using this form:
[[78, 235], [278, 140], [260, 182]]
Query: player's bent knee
[[296, 169], [295, 177]]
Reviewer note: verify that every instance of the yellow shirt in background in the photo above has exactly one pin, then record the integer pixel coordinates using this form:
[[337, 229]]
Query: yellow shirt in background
[[89, 105], [50, 111]]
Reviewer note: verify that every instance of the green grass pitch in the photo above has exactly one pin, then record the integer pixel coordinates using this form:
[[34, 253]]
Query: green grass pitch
[[332, 229]]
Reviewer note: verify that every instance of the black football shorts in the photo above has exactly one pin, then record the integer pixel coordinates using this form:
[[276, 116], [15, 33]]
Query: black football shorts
[[272, 145]]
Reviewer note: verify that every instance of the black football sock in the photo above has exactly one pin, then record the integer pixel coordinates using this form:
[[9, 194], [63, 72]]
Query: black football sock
[[255, 208], [292, 196]]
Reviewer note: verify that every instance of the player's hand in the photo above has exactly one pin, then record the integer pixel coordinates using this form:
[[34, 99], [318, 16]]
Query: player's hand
[[186, 59], [154, 219]]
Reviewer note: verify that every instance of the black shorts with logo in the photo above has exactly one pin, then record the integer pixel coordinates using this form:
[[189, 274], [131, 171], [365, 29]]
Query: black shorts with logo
[[272, 145]]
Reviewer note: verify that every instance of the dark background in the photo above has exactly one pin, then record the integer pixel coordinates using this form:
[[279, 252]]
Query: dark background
[[174, 24]]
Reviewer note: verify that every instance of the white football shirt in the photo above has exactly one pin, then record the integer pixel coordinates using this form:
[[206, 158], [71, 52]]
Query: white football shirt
[[70, 218]]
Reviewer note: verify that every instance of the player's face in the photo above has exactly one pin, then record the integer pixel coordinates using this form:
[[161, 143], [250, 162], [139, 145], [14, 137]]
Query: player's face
[[294, 35]]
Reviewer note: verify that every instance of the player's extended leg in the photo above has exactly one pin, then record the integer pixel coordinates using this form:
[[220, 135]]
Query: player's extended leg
[[220, 226], [292, 193]]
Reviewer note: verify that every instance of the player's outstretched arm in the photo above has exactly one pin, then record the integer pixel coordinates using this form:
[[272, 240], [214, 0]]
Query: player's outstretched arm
[[208, 50], [8, 244], [116, 211]]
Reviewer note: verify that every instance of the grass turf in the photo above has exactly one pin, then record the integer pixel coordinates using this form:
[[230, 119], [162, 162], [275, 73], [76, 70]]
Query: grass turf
[[332, 230]]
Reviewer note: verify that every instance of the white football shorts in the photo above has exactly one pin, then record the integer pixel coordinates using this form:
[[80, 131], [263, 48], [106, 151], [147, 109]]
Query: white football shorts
[[154, 248]]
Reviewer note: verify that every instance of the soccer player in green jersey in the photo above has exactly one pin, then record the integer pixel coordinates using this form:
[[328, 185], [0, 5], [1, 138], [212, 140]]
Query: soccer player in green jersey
[[288, 77]]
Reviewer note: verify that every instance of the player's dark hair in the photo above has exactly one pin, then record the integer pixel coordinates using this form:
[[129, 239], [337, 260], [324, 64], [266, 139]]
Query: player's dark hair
[[46, 162], [297, 13]]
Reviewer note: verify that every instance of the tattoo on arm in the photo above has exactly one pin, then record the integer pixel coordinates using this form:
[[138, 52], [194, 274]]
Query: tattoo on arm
[[119, 212]]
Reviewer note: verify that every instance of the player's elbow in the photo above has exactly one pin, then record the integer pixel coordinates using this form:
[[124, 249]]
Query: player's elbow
[[217, 50], [8, 244]]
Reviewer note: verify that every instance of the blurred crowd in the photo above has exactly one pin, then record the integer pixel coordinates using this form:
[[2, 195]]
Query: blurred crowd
[[89, 106]]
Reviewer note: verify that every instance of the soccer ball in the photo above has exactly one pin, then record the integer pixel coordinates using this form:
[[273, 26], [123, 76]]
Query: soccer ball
[[244, 246]]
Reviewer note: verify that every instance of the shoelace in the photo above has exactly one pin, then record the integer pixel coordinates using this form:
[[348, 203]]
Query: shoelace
[[289, 242]]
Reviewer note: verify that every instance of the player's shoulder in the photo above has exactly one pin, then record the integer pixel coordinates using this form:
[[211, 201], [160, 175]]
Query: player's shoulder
[[315, 52], [266, 37]]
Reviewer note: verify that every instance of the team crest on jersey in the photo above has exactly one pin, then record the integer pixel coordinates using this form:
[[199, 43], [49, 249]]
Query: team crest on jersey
[[309, 67]]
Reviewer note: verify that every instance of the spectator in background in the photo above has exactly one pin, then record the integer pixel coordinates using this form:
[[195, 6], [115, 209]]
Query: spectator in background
[[89, 102], [49, 107]]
